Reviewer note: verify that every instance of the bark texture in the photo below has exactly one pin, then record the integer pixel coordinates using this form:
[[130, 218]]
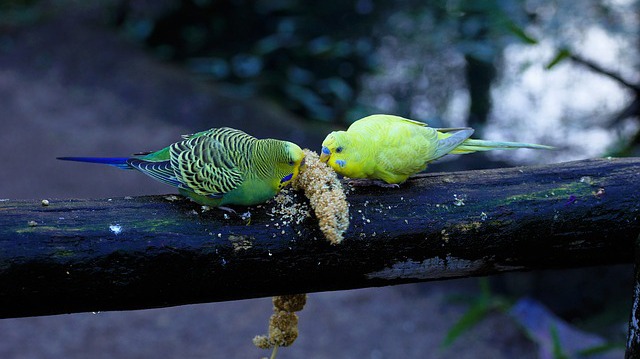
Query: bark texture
[[156, 251]]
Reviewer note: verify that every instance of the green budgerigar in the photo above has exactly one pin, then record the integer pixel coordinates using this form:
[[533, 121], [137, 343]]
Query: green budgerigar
[[217, 167]]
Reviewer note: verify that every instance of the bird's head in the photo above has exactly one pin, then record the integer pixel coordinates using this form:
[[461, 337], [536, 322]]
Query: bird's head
[[335, 149], [288, 164]]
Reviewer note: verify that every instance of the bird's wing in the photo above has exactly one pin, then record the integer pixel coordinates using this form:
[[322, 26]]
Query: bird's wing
[[412, 153], [204, 166], [413, 122], [380, 121], [159, 170], [406, 150], [448, 143]]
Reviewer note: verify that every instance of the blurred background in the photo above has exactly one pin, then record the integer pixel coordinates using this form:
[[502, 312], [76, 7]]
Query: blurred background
[[115, 77]]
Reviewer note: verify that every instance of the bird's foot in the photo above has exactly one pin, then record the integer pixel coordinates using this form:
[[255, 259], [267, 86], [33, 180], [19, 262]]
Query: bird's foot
[[229, 210], [246, 216], [364, 182]]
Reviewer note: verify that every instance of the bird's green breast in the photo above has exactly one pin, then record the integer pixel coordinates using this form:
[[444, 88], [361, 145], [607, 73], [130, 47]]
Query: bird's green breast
[[251, 191]]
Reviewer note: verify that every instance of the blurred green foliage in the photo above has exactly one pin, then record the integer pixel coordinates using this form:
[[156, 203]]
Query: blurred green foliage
[[341, 60], [556, 345], [308, 57], [480, 307], [19, 12], [312, 58]]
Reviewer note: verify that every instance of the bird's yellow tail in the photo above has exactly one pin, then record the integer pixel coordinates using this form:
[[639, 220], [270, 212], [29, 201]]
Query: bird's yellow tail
[[471, 145]]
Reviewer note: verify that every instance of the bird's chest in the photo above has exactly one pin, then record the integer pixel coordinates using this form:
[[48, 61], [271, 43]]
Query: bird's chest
[[250, 192]]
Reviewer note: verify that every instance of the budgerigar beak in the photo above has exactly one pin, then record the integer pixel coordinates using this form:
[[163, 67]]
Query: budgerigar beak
[[325, 154]]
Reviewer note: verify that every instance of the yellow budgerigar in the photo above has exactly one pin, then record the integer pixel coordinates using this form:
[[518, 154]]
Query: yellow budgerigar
[[392, 148], [217, 167]]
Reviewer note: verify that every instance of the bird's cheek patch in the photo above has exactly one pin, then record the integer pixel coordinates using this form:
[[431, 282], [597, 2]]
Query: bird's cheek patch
[[286, 178], [341, 163]]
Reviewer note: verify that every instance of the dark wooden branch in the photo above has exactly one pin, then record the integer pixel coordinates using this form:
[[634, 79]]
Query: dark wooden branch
[[601, 70], [633, 336], [144, 252]]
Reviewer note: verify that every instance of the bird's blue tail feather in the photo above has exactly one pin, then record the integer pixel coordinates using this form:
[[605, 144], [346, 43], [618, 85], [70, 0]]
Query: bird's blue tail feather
[[120, 162]]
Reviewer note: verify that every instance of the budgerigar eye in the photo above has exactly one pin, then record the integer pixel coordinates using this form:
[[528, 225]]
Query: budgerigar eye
[[339, 149], [291, 163]]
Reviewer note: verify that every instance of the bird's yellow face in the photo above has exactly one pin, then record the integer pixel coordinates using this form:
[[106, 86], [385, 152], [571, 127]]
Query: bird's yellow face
[[335, 150], [289, 166]]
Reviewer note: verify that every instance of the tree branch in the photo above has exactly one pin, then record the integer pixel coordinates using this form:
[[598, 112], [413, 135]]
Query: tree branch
[[145, 252], [601, 70], [633, 334]]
